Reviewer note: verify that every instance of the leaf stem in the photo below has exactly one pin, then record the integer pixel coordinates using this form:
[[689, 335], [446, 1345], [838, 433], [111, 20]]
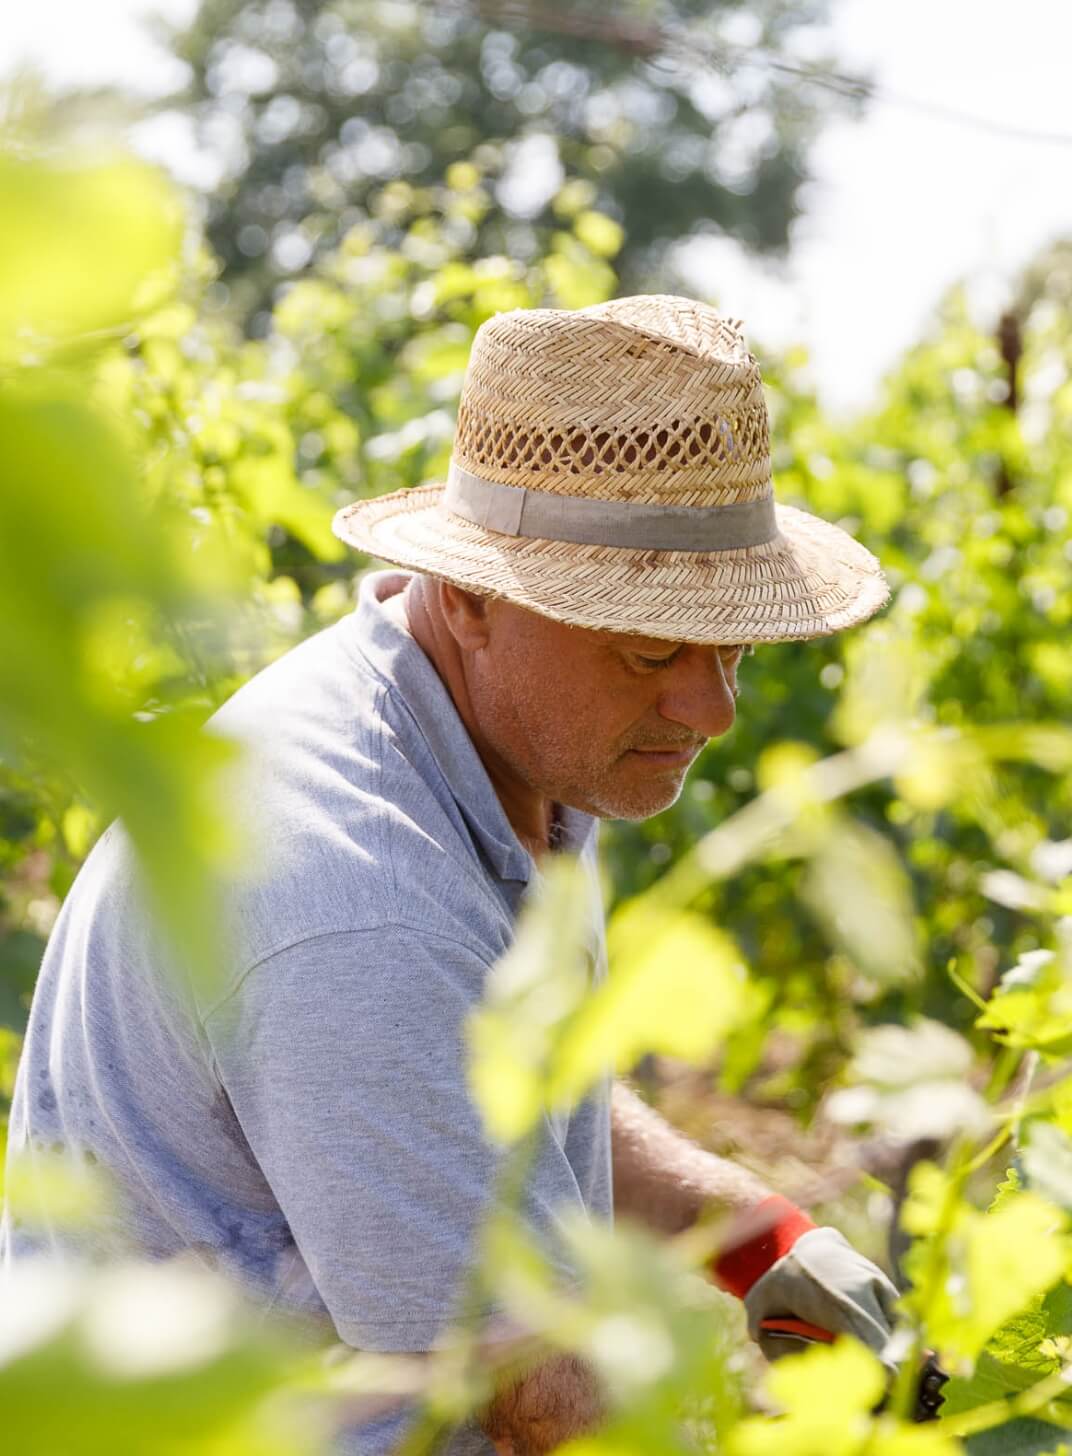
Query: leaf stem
[[1026, 1403]]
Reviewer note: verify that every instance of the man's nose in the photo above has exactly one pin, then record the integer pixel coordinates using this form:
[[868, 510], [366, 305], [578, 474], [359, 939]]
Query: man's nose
[[700, 693]]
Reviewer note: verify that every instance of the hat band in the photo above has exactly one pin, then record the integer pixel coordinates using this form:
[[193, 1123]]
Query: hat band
[[513, 510]]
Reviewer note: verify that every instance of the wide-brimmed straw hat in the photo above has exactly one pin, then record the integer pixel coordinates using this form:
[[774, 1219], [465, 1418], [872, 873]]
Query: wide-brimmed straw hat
[[611, 469]]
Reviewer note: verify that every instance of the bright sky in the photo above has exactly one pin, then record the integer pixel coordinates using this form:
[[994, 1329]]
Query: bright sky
[[904, 205]]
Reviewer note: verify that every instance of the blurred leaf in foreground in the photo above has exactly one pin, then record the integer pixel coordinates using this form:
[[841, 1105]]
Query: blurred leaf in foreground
[[827, 1394], [911, 1082], [1046, 1159], [84, 247], [546, 1033], [676, 986], [636, 1312], [80, 555], [55, 1189], [149, 1358], [75, 538], [530, 992], [856, 886]]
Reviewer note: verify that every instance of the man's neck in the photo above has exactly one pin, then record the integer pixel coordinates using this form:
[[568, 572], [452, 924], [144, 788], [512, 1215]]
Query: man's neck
[[532, 815]]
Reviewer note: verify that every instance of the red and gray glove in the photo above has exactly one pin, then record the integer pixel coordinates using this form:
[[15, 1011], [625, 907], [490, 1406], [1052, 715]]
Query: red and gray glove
[[787, 1269]]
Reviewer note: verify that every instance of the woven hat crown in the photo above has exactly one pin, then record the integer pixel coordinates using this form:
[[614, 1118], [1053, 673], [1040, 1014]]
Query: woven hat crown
[[653, 399], [611, 469]]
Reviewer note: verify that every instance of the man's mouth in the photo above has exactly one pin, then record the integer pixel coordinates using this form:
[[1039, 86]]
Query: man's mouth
[[677, 756]]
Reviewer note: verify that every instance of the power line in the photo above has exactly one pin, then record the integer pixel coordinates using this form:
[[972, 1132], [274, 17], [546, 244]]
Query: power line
[[648, 42], [870, 91]]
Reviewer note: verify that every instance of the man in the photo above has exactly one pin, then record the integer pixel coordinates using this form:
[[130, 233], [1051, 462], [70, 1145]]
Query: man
[[567, 641]]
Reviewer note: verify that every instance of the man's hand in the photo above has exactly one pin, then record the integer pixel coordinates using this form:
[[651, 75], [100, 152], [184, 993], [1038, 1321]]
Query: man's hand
[[551, 1405], [824, 1281], [774, 1258], [782, 1266]]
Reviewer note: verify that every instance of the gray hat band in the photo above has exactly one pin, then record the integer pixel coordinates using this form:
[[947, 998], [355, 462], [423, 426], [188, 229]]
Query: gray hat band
[[513, 510]]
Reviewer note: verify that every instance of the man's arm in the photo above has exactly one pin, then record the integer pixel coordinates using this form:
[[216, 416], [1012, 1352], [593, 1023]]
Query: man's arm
[[663, 1179], [777, 1260]]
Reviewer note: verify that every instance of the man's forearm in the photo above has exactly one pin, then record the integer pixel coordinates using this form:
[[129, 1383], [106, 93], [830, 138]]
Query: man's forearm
[[663, 1179]]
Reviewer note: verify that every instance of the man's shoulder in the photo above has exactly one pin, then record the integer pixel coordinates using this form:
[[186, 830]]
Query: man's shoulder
[[345, 821], [348, 816]]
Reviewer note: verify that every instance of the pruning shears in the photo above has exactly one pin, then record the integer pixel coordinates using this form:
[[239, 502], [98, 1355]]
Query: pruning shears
[[798, 1334]]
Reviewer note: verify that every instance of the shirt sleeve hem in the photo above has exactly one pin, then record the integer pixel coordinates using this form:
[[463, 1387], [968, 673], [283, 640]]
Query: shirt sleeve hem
[[399, 1336], [338, 932]]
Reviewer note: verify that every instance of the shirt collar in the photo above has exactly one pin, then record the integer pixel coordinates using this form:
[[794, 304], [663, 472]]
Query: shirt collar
[[395, 656]]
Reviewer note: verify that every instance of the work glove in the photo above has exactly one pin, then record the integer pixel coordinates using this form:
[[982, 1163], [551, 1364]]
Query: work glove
[[823, 1281], [784, 1267]]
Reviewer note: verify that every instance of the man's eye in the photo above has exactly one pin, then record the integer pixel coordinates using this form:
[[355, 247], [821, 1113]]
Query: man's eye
[[731, 652]]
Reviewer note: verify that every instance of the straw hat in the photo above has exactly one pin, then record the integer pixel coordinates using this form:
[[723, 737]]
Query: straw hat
[[611, 468]]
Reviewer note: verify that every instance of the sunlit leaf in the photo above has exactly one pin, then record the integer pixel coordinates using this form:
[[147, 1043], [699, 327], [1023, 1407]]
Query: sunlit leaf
[[529, 996], [911, 1082], [83, 248], [858, 888], [81, 560], [599, 233], [1046, 1159], [827, 1394], [994, 1264], [886, 679], [1032, 1006], [148, 1358], [676, 985]]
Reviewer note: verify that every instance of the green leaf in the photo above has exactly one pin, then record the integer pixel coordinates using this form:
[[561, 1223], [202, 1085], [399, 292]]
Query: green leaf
[[911, 1082], [676, 986], [994, 1378], [271, 492], [827, 1394], [1022, 1437], [1046, 1158], [83, 248], [885, 682], [992, 1265], [530, 994], [75, 542], [857, 887], [844, 1377], [153, 1358], [600, 234], [1032, 1006]]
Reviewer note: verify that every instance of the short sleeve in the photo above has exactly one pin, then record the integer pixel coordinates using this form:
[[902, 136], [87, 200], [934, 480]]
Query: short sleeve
[[344, 1059]]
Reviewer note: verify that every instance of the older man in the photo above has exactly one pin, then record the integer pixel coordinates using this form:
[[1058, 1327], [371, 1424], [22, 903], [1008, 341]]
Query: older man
[[564, 643]]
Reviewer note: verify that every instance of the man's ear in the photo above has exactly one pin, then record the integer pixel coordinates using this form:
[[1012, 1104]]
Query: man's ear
[[466, 616]]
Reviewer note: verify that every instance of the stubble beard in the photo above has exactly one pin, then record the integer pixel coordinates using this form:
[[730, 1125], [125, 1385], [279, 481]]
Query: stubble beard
[[635, 803], [610, 786]]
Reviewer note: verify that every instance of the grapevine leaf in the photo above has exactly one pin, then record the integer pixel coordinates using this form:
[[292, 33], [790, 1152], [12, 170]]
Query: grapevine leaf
[[1032, 1006], [1046, 1157]]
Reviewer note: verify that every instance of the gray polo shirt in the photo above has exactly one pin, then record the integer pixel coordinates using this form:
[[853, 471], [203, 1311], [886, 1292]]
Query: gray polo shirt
[[308, 1126]]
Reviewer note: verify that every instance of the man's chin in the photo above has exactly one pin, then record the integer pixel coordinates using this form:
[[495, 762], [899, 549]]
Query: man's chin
[[635, 803]]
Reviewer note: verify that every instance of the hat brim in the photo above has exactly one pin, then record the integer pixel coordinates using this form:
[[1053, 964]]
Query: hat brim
[[812, 580]]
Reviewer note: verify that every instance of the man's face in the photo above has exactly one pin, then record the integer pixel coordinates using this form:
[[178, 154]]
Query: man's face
[[602, 721]]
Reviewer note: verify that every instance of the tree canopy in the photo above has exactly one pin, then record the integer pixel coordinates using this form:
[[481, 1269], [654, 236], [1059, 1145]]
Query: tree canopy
[[668, 118]]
